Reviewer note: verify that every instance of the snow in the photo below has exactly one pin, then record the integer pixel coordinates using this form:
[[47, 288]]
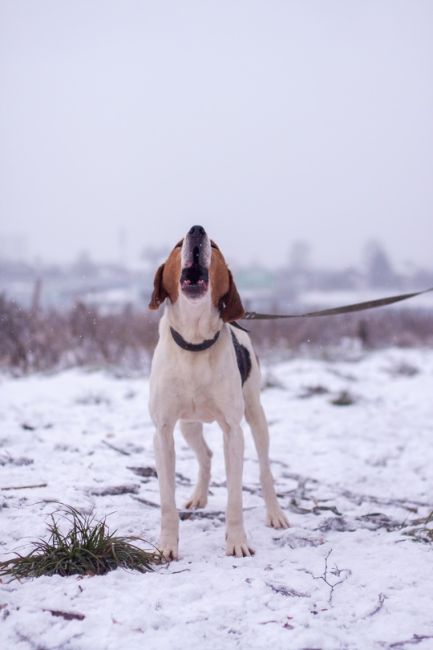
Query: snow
[[351, 478]]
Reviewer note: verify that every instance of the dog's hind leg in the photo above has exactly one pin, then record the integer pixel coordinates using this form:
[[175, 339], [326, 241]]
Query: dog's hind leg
[[193, 434], [256, 419]]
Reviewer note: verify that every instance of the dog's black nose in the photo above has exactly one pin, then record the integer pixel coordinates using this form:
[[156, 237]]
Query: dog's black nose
[[197, 231]]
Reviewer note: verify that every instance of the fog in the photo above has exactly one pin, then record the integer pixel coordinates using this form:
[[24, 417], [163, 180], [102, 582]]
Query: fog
[[124, 123]]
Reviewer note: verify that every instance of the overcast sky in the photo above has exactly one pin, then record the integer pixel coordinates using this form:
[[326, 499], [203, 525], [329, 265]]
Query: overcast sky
[[266, 122]]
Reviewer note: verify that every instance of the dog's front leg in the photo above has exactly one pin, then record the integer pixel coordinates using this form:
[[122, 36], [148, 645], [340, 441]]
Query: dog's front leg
[[236, 539], [165, 467]]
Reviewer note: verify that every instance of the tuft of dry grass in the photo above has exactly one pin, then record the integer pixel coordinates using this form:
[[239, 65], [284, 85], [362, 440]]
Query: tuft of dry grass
[[86, 548], [421, 532], [344, 398]]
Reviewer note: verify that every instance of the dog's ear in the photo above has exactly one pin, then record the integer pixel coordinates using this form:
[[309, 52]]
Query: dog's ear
[[230, 305], [159, 294]]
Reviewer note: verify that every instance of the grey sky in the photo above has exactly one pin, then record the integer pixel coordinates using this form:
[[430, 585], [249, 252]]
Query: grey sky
[[267, 122]]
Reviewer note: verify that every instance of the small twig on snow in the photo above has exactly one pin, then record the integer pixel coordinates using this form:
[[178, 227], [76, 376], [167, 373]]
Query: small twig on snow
[[146, 502], [417, 638], [24, 487], [68, 616], [118, 449], [336, 572], [381, 599]]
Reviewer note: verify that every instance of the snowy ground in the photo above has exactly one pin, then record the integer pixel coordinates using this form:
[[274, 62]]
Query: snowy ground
[[352, 479]]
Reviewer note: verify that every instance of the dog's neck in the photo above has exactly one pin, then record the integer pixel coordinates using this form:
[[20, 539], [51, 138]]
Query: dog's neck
[[195, 321]]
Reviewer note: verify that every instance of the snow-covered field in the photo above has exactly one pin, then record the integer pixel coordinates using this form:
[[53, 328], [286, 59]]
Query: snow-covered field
[[353, 478]]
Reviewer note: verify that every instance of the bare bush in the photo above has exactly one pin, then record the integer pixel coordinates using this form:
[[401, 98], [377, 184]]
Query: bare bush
[[368, 330], [41, 340], [49, 340]]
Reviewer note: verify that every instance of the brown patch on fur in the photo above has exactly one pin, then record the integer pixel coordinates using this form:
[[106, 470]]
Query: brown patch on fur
[[171, 275], [166, 282], [219, 277], [225, 295], [159, 294], [231, 306]]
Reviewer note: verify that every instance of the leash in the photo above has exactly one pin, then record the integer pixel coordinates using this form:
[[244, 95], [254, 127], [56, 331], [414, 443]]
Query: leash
[[333, 311], [346, 309]]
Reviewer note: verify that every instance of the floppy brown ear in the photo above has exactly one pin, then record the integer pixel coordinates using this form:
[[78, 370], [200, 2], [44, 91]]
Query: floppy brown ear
[[159, 294], [231, 307]]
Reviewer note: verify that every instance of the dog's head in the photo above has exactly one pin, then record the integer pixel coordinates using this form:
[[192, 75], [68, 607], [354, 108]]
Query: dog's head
[[196, 270]]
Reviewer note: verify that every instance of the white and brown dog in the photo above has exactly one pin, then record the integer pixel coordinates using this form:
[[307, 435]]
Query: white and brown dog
[[204, 370]]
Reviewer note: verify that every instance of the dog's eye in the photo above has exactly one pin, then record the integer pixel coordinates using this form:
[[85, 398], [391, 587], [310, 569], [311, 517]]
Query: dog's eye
[[179, 244], [213, 245]]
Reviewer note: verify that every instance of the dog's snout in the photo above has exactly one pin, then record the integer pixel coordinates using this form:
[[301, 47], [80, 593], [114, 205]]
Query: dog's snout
[[197, 231], [196, 251]]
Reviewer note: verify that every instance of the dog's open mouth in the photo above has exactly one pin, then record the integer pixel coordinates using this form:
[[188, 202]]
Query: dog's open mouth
[[194, 279]]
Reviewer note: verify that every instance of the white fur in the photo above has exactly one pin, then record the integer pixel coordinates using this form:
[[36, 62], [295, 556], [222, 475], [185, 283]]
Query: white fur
[[196, 387]]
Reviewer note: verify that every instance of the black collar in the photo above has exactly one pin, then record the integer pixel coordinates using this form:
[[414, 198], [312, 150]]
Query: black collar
[[192, 347]]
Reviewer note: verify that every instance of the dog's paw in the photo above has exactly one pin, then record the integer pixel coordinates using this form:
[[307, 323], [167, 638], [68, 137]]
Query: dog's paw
[[237, 545], [277, 519], [169, 549], [198, 499]]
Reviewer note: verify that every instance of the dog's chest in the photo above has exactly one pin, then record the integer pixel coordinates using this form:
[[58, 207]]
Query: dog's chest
[[196, 386]]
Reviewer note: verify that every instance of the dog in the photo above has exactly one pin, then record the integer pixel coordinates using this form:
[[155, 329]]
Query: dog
[[204, 369]]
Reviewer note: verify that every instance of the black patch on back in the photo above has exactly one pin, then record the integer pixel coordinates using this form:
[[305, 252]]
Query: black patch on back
[[242, 357]]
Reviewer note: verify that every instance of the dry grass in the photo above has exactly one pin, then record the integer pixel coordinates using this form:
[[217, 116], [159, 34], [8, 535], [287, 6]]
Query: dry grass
[[421, 530], [84, 336]]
